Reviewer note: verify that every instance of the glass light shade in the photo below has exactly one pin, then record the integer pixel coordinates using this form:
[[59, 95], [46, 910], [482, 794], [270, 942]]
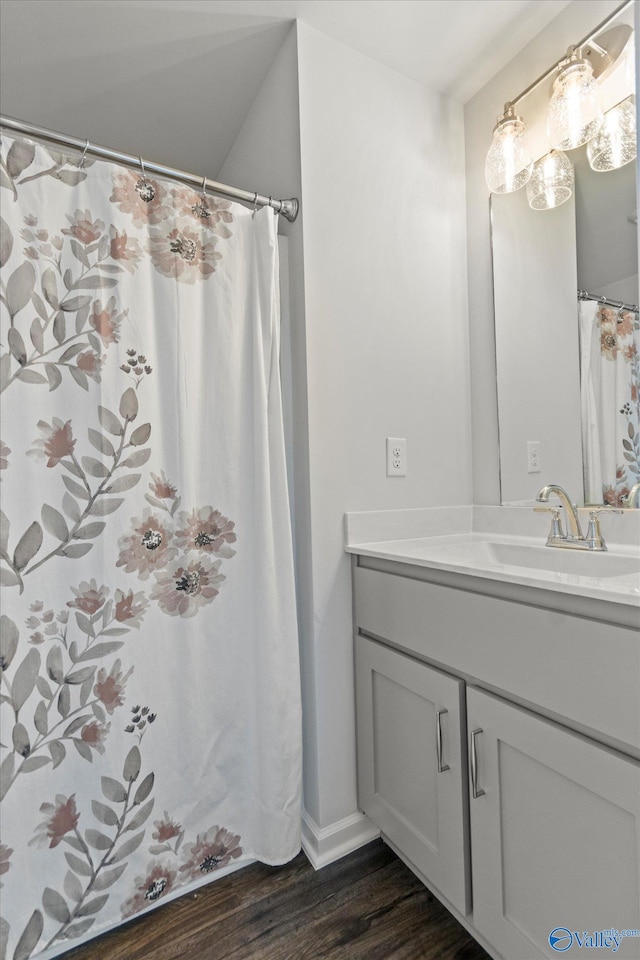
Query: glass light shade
[[575, 114], [551, 181], [630, 63], [616, 143], [509, 161]]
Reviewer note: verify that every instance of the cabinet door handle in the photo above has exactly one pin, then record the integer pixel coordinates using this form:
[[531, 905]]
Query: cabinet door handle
[[474, 765], [441, 766]]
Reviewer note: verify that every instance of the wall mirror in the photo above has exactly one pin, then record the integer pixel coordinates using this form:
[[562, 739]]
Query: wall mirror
[[568, 366]]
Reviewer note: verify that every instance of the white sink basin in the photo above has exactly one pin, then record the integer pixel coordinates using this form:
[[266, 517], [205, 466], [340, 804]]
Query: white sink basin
[[578, 563]]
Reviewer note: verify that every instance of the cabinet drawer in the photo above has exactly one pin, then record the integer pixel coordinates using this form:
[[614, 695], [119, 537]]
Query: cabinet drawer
[[571, 667], [411, 763]]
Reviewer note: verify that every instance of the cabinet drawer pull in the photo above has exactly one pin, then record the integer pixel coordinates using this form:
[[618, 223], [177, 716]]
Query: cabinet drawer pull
[[474, 765], [441, 766]]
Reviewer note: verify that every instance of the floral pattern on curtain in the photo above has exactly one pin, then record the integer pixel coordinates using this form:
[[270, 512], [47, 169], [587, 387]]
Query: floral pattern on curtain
[[610, 381], [150, 681]]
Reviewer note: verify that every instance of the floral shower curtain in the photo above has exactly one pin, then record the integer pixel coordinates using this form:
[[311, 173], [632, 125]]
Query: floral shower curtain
[[610, 381], [150, 682]]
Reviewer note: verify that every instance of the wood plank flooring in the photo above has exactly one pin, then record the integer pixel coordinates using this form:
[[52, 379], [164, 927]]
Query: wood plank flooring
[[367, 906]]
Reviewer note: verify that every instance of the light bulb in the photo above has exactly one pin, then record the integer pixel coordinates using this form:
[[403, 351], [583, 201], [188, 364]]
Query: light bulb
[[575, 114], [615, 145], [509, 161], [551, 181]]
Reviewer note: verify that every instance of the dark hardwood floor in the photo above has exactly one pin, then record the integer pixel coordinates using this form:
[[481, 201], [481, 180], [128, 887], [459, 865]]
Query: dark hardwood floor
[[367, 906]]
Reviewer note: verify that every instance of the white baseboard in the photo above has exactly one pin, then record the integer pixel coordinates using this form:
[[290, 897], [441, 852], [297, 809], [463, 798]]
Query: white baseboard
[[324, 845]]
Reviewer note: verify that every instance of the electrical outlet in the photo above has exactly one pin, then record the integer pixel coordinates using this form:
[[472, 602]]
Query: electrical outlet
[[533, 457], [396, 457]]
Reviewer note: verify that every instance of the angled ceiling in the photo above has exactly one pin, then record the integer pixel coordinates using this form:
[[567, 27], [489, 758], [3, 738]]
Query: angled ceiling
[[175, 79]]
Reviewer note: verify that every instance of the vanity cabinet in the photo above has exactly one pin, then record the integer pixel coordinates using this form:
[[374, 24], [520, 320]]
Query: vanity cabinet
[[554, 832], [535, 824], [411, 768]]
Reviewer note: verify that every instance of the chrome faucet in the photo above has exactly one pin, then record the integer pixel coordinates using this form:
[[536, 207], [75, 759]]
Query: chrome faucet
[[574, 538], [632, 499], [573, 523]]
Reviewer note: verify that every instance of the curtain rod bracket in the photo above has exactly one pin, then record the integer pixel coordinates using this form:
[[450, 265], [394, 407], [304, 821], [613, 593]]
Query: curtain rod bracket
[[289, 209]]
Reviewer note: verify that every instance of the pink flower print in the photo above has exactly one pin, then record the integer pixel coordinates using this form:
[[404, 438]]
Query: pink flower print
[[211, 851], [625, 323], [110, 687], [106, 320], [62, 818], [39, 244], [606, 319], [183, 253], [161, 488], [4, 455], [166, 829], [130, 607], [83, 227], [126, 250], [182, 589], [608, 343], [94, 734], [210, 212], [615, 496], [89, 597], [129, 200], [157, 882], [606, 316], [90, 363], [205, 531], [148, 547], [55, 444]]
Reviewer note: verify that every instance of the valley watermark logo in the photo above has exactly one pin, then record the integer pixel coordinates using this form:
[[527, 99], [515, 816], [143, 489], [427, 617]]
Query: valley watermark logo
[[562, 939]]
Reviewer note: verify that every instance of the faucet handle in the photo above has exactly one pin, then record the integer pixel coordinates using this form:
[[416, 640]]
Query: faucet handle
[[556, 524], [594, 536]]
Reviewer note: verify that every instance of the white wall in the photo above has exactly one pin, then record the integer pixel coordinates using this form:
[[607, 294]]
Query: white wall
[[386, 336], [480, 115]]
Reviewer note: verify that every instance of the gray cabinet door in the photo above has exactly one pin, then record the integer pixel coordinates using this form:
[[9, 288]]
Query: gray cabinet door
[[555, 836], [411, 763]]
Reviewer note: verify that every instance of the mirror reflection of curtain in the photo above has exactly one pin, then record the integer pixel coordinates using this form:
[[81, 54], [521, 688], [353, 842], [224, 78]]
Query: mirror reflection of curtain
[[610, 379]]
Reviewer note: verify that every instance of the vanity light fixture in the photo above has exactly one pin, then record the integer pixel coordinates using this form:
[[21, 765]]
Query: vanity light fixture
[[615, 145], [509, 162], [575, 114], [551, 182]]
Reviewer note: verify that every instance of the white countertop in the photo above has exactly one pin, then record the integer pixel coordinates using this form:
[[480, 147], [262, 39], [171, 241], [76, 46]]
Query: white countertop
[[478, 542]]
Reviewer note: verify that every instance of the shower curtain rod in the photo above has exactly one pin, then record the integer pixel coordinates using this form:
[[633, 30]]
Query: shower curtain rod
[[286, 208], [583, 295]]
